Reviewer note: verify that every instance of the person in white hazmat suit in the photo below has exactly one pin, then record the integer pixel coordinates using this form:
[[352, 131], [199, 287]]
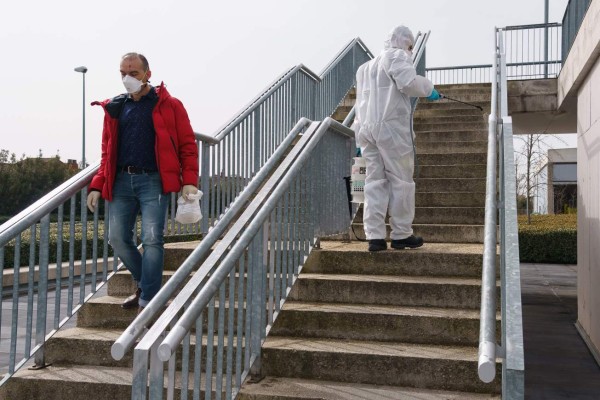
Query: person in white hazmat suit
[[384, 86]]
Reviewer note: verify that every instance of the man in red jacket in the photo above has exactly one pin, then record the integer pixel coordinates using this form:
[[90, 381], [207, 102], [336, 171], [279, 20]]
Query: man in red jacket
[[148, 151]]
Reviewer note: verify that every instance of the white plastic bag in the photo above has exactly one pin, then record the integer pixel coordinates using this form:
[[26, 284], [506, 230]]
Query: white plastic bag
[[188, 211]]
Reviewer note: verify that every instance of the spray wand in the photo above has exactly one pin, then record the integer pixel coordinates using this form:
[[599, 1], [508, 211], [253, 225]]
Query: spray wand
[[443, 96]]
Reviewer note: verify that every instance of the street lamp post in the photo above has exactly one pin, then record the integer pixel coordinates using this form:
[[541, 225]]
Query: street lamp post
[[83, 70]]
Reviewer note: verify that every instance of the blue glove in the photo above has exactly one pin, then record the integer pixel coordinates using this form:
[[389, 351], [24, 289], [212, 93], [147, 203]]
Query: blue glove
[[434, 95]]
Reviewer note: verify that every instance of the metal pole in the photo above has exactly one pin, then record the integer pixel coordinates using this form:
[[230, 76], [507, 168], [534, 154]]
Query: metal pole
[[83, 130], [546, 38], [83, 70]]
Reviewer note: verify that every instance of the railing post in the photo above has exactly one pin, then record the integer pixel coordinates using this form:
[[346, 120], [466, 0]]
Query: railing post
[[42, 292], [257, 305], [546, 40], [257, 142], [204, 185]]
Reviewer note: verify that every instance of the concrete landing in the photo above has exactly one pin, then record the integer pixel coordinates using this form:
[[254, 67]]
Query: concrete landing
[[558, 364]]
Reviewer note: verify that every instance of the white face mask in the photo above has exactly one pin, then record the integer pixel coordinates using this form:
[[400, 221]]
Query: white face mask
[[131, 84]]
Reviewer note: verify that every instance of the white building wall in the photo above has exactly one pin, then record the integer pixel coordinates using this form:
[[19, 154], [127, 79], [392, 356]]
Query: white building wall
[[588, 207], [580, 79]]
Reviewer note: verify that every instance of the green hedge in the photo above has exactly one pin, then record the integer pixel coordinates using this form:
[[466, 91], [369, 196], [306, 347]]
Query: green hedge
[[548, 239]]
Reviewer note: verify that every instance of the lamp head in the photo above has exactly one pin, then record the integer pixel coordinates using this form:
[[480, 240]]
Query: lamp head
[[81, 69]]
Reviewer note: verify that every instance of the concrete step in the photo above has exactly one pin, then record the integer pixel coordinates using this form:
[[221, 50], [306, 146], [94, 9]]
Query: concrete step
[[447, 199], [449, 119], [433, 259], [451, 136], [60, 382], [452, 171], [176, 253], [457, 158], [303, 389], [105, 312], [419, 291], [434, 113], [438, 233], [68, 346], [432, 125], [427, 325], [376, 363], [481, 101], [452, 147], [441, 215], [450, 184], [468, 96], [466, 87], [123, 285], [450, 215]]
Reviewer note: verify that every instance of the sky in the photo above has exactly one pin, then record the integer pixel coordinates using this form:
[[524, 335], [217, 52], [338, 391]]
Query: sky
[[215, 56]]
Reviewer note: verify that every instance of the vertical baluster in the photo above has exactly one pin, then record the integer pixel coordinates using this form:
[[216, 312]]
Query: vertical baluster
[[84, 229], [198, 357], [230, 334], [59, 246], [220, 341], [210, 337], [94, 251], [71, 256], [15, 305], [185, 367], [30, 288], [240, 323], [42, 306]]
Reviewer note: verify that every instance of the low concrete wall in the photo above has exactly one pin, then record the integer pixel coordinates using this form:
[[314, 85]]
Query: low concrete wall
[[532, 104], [8, 273]]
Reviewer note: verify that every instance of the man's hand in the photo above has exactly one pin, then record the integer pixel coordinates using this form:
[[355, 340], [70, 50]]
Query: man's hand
[[92, 200], [187, 190]]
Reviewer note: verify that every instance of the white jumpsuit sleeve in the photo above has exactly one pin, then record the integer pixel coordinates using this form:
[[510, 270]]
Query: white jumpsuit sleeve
[[408, 82]]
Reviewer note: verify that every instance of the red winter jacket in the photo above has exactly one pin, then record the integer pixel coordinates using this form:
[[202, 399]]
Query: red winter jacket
[[175, 147]]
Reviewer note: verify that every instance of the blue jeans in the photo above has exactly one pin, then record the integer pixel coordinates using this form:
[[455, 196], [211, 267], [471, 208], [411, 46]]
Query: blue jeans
[[133, 194]]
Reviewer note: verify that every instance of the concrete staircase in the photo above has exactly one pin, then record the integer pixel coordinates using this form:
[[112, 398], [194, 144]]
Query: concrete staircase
[[389, 325], [396, 324], [81, 364]]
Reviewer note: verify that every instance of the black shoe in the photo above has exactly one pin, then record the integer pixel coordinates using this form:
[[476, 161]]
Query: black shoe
[[411, 242], [377, 245], [133, 300]]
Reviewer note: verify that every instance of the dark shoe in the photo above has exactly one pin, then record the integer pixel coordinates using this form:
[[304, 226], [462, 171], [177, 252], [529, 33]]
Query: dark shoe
[[411, 242], [377, 245], [133, 300]]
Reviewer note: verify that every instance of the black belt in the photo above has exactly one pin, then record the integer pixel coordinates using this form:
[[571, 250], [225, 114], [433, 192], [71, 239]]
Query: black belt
[[132, 170]]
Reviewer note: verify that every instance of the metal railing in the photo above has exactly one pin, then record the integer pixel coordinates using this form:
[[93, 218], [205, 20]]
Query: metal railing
[[572, 19], [221, 317], [511, 349], [250, 138], [56, 245], [532, 52], [227, 163]]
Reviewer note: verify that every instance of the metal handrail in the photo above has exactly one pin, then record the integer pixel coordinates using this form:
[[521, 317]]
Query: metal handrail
[[136, 328], [220, 269], [35, 221], [264, 94], [511, 349], [191, 314], [487, 328]]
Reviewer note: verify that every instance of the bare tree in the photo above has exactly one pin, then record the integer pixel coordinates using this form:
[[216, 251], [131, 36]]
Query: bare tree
[[532, 156]]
